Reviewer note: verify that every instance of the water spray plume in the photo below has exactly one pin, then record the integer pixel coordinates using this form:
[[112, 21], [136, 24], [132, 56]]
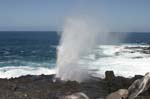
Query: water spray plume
[[77, 39]]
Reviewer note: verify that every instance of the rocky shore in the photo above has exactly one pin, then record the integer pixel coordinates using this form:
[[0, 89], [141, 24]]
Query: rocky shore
[[47, 87]]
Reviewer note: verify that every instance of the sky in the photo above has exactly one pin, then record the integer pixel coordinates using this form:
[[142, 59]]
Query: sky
[[50, 15]]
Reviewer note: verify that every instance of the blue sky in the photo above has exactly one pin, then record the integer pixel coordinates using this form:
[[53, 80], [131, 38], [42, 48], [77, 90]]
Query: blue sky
[[116, 15]]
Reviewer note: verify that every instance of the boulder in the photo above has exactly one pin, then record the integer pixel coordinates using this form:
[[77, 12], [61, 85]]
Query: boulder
[[78, 95], [120, 94], [139, 86]]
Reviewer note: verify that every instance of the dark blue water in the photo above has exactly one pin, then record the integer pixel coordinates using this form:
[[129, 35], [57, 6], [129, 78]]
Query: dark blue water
[[39, 48], [28, 48], [137, 37]]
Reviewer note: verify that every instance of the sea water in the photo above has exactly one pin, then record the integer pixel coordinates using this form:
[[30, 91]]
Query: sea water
[[23, 53], [34, 52]]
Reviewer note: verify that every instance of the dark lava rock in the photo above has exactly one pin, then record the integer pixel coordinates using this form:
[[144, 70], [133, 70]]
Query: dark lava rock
[[43, 87], [109, 76], [53, 95]]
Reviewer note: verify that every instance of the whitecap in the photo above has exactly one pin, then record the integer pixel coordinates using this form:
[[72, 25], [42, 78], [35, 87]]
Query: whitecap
[[13, 71]]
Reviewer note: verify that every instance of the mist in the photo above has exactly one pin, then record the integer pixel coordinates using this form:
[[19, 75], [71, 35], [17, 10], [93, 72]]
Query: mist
[[79, 37], [81, 33]]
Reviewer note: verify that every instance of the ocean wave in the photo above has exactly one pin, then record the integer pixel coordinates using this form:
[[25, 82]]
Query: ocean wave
[[17, 62], [124, 60], [13, 71]]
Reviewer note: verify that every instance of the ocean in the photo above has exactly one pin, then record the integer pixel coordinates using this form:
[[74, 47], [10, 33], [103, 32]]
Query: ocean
[[35, 52], [24, 53]]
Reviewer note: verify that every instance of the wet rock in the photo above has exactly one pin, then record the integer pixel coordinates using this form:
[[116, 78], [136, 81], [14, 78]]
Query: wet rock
[[115, 83], [20, 95], [44, 87], [109, 76], [53, 95], [12, 86]]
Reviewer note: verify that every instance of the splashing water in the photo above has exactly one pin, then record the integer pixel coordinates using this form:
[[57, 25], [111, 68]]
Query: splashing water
[[78, 39]]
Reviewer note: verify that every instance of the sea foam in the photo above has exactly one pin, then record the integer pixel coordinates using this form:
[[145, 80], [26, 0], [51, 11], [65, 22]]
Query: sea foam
[[15, 71], [125, 60]]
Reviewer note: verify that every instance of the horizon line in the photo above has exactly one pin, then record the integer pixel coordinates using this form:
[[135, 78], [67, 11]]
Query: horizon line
[[61, 31]]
